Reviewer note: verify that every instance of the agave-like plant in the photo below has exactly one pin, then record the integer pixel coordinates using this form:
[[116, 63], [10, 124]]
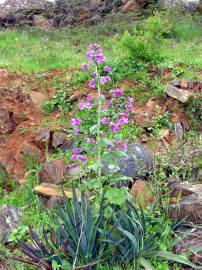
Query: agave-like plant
[[133, 244], [76, 237]]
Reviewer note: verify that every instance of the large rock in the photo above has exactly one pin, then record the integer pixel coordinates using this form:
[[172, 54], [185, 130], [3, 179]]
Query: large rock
[[48, 190], [131, 5], [12, 6], [186, 201], [189, 238], [6, 121], [177, 93], [137, 163], [54, 171], [9, 220]]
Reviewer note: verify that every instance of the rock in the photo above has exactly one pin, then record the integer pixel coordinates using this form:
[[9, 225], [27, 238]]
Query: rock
[[38, 99], [7, 124], [9, 220], [177, 93], [131, 5], [142, 193], [54, 171], [179, 131], [59, 140], [138, 163], [189, 238], [48, 190], [186, 201], [43, 138], [175, 83], [30, 150], [41, 22], [93, 4], [184, 84]]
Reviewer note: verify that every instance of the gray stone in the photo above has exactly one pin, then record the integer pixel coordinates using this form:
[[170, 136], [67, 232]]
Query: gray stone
[[177, 93], [138, 163], [6, 121], [186, 201], [189, 238], [54, 171], [179, 131], [9, 220], [59, 139], [43, 138], [176, 83]]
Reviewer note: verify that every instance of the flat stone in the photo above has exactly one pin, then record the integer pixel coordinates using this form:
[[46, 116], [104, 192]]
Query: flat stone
[[7, 124], [48, 190], [38, 99], [138, 163], [54, 171], [186, 201], [9, 220], [177, 93]]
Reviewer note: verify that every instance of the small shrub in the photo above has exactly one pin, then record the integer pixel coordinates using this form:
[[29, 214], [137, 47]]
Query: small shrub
[[144, 43]]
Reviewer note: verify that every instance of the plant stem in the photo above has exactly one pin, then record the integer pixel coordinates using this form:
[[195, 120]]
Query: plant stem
[[99, 172]]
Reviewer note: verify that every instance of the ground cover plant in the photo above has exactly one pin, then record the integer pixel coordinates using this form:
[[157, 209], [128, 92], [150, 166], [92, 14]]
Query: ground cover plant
[[97, 107]]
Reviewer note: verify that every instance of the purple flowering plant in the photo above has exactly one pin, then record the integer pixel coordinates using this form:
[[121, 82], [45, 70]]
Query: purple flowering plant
[[117, 112]]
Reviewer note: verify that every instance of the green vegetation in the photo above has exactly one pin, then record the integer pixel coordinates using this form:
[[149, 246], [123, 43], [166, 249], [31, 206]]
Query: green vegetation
[[108, 230]]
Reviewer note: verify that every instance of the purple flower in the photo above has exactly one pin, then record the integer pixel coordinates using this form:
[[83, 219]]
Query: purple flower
[[115, 128], [86, 105], [129, 107], [72, 166], [110, 104], [108, 69], [105, 79], [81, 158], [94, 46], [105, 120], [131, 99], [76, 122], [89, 98], [90, 55], [89, 140], [122, 145], [85, 66], [124, 114], [92, 83], [100, 57], [77, 150], [122, 121], [118, 92]]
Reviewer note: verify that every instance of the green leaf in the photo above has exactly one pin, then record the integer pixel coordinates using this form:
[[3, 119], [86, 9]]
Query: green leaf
[[145, 263], [93, 128], [115, 195], [177, 258]]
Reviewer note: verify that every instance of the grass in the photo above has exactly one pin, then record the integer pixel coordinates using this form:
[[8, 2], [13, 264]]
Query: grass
[[39, 50]]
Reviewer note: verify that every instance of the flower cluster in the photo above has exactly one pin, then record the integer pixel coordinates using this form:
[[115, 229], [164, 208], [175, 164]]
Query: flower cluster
[[77, 155], [87, 104], [75, 123], [94, 65]]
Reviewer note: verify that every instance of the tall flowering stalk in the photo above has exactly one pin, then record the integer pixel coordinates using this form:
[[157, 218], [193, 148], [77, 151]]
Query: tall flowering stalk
[[95, 66]]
